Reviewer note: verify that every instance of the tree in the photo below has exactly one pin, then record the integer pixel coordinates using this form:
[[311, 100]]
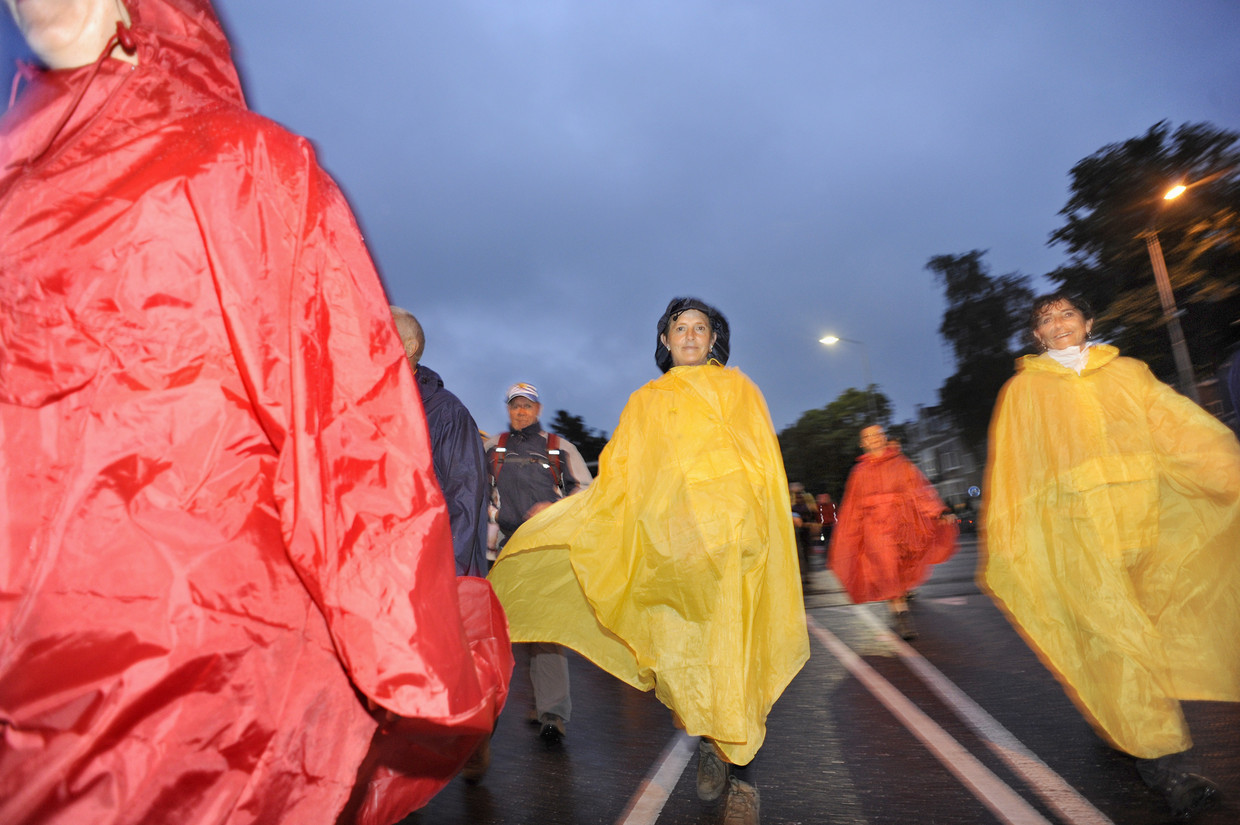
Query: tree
[[589, 442], [1116, 198], [984, 318], [821, 448]]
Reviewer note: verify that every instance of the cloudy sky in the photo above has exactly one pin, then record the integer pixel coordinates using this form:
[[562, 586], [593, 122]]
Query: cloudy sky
[[536, 179]]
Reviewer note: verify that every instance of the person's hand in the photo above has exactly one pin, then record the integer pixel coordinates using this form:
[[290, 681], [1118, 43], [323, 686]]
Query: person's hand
[[537, 508], [950, 518]]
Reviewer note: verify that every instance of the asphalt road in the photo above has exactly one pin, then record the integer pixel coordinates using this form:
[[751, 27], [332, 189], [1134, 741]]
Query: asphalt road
[[962, 726]]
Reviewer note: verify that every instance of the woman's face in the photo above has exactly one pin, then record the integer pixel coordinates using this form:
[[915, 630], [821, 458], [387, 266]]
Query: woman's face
[[689, 338], [1062, 325], [66, 34]]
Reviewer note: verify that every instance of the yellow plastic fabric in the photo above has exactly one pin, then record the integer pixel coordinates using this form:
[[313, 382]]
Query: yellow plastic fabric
[[1112, 529], [677, 568]]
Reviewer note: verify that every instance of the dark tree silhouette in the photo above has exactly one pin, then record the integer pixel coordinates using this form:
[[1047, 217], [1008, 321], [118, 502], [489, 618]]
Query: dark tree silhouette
[[589, 442], [1116, 197], [985, 317]]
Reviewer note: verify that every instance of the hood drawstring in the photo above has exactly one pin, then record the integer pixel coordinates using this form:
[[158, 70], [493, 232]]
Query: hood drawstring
[[122, 38]]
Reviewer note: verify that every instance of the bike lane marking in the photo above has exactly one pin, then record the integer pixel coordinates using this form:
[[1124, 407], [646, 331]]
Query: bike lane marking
[[1049, 786], [989, 789], [646, 805]]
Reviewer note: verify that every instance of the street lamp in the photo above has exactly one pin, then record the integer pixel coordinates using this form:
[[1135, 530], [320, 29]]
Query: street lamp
[[831, 340], [1171, 315]]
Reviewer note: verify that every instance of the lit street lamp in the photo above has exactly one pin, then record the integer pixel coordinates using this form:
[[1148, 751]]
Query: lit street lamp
[[1171, 315], [831, 340]]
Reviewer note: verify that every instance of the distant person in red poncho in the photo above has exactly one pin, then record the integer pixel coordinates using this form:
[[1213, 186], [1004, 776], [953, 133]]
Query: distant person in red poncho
[[227, 589], [890, 528]]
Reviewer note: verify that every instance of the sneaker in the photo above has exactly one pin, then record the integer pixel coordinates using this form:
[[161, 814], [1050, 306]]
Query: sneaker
[[903, 624], [712, 771], [478, 762], [1186, 793], [742, 805], [552, 728]]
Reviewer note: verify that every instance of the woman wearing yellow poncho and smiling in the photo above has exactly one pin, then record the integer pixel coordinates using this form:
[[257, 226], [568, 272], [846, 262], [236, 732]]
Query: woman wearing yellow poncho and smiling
[[677, 569], [1113, 542]]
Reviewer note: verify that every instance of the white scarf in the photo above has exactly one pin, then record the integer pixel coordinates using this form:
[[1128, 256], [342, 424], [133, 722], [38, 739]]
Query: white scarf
[[1074, 358]]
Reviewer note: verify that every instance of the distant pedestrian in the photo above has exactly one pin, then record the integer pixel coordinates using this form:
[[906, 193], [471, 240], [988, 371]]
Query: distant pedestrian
[[891, 527], [456, 447], [676, 571], [531, 469], [1112, 526]]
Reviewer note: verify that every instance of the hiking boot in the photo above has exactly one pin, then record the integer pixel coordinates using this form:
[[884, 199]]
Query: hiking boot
[[1186, 793], [903, 625], [742, 804], [478, 762], [712, 771], [552, 728]]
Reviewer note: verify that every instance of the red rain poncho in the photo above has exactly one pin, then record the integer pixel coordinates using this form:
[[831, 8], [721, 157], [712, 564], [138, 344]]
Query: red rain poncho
[[888, 531], [220, 532]]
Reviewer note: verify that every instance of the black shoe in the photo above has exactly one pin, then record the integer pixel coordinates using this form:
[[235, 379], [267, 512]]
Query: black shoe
[[552, 728], [478, 762], [1186, 793], [903, 625]]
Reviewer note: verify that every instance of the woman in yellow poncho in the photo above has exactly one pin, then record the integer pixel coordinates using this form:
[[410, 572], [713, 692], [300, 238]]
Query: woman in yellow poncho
[[1112, 532], [677, 569]]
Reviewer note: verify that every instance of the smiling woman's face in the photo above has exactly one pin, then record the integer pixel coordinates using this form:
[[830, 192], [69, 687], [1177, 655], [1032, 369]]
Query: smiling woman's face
[[689, 338], [66, 34], [1062, 325]]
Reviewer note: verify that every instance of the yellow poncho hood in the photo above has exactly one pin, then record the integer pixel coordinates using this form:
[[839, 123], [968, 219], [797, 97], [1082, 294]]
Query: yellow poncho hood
[[1112, 528], [677, 568]]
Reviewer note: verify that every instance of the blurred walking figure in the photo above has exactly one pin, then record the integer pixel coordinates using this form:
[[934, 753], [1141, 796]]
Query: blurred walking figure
[[531, 469], [226, 579], [456, 447], [1112, 524], [891, 527], [677, 570]]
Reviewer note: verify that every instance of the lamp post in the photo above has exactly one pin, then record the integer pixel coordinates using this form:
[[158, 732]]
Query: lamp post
[[831, 340], [1171, 315]]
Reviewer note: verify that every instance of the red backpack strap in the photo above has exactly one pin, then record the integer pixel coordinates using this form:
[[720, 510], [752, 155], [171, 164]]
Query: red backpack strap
[[553, 453], [497, 455]]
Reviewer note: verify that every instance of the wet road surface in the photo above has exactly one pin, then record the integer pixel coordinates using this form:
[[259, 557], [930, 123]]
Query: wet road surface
[[962, 726]]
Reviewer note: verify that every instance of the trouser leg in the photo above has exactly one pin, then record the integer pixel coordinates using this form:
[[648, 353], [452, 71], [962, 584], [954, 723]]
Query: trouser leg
[[549, 677]]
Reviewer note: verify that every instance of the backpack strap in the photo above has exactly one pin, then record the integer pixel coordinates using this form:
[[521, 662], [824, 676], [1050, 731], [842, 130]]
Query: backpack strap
[[553, 453], [497, 455]]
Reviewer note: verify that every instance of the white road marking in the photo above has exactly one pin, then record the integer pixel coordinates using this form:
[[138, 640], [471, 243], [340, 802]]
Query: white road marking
[[1049, 786], [990, 790], [652, 794]]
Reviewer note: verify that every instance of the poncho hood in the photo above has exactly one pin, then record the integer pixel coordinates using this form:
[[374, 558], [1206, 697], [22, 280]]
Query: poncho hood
[[180, 39]]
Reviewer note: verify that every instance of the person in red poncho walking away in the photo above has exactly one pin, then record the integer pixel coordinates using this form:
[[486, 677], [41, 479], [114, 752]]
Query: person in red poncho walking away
[[890, 528], [227, 589]]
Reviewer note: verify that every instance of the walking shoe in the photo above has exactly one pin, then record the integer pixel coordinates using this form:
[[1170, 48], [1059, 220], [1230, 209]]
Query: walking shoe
[[742, 805], [903, 624], [552, 728], [478, 762], [712, 771], [1186, 793]]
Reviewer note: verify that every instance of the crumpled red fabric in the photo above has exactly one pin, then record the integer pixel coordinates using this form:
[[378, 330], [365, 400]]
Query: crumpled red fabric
[[888, 532], [221, 539]]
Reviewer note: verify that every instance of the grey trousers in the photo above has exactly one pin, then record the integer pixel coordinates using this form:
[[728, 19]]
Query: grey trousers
[[549, 677]]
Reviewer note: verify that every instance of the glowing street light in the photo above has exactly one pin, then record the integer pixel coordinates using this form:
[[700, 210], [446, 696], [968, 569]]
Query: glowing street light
[[832, 340], [1171, 315]]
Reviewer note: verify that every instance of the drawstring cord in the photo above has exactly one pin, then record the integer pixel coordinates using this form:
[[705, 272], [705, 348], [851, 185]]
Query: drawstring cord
[[122, 38]]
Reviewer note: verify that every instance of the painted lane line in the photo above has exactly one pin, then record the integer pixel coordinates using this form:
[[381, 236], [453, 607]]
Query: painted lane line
[[1049, 786], [989, 789], [652, 794]]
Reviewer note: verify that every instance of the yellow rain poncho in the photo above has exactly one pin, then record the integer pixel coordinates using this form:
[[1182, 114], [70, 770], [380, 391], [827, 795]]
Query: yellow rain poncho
[[1112, 530], [677, 568]]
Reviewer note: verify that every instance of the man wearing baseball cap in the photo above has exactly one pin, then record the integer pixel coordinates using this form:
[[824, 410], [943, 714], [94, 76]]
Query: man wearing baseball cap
[[530, 470]]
